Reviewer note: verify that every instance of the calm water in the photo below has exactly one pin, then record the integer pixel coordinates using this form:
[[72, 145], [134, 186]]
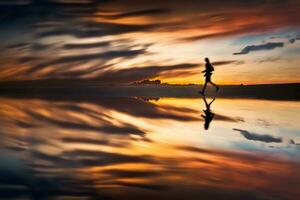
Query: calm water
[[134, 148]]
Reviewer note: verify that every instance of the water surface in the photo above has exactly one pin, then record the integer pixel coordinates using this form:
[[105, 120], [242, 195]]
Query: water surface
[[138, 148]]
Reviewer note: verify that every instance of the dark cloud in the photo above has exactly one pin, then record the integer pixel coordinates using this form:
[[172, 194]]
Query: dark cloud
[[18, 45], [101, 158], [24, 124], [93, 141], [261, 47], [258, 137], [195, 149], [131, 174], [14, 2], [125, 129], [78, 158], [86, 45], [93, 29], [293, 40], [294, 143], [144, 186], [48, 157]]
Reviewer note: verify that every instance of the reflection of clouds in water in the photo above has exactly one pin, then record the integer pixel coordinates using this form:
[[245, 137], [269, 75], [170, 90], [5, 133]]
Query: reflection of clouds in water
[[267, 139], [258, 137], [90, 149]]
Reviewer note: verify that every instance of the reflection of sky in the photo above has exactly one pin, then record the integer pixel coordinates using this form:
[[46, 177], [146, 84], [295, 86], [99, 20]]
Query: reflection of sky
[[121, 42], [121, 148], [240, 114]]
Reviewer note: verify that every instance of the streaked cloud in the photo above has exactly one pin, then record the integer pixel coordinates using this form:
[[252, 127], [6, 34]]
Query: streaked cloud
[[138, 13], [63, 39], [87, 57], [93, 29]]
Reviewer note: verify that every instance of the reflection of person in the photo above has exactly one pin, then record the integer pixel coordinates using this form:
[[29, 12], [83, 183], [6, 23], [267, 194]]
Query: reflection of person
[[208, 115], [208, 73]]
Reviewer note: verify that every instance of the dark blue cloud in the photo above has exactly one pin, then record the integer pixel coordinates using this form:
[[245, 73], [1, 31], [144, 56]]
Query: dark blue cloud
[[261, 47]]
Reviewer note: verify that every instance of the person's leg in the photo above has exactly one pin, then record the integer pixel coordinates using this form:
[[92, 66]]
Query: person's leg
[[217, 87], [204, 87]]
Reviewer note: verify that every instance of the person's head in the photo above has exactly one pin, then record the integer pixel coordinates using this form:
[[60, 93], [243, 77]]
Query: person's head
[[206, 60]]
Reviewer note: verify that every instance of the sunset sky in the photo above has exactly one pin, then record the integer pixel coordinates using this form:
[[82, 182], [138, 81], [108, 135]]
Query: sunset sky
[[122, 41]]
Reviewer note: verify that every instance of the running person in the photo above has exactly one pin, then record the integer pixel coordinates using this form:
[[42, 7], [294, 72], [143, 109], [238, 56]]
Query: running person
[[208, 73]]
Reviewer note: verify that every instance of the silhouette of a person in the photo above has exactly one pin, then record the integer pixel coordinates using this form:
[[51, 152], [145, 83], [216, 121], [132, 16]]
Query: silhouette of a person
[[208, 73], [208, 115]]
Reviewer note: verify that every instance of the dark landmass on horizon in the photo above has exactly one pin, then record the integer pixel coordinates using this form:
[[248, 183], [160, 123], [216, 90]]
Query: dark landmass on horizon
[[82, 91]]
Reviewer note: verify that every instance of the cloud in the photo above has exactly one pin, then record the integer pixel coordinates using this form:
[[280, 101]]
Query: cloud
[[139, 108], [258, 137], [115, 76], [124, 129], [293, 40], [87, 57], [226, 62], [140, 73], [223, 33], [14, 2], [93, 141], [78, 158], [86, 45], [261, 47], [131, 174], [210, 35], [291, 141], [94, 29], [146, 12], [101, 158], [75, 22], [18, 45], [144, 186]]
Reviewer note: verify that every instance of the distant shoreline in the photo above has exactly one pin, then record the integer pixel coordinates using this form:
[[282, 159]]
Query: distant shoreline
[[263, 91], [61, 83]]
